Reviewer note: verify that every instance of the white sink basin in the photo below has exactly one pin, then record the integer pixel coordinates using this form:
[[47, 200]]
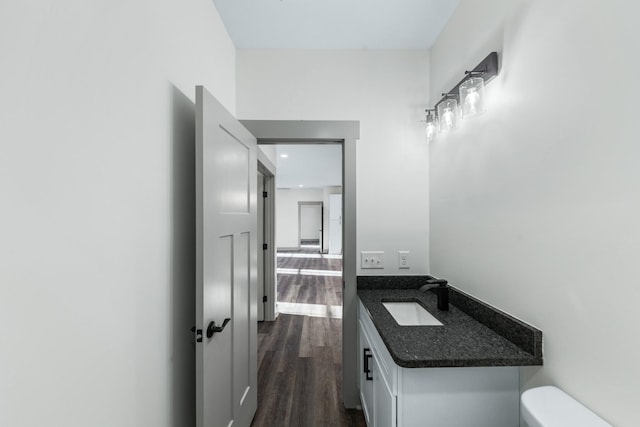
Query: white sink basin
[[409, 313]]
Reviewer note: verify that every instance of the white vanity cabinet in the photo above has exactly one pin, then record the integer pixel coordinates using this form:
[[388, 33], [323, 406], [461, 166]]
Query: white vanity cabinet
[[393, 396]]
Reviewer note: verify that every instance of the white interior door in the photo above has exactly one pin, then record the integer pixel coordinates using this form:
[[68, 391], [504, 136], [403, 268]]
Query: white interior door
[[335, 224], [226, 203], [309, 221]]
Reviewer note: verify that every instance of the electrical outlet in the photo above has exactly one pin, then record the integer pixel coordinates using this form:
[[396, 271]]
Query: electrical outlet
[[403, 259], [372, 259]]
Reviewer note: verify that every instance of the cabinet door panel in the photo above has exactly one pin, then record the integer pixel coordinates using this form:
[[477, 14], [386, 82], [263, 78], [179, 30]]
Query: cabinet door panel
[[385, 401], [366, 386]]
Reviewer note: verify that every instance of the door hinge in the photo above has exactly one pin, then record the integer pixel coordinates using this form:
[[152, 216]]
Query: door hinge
[[264, 246], [264, 298], [198, 334], [264, 194]]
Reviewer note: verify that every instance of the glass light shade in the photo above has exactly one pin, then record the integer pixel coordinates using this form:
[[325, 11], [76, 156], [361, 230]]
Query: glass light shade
[[472, 97], [432, 128], [448, 114]]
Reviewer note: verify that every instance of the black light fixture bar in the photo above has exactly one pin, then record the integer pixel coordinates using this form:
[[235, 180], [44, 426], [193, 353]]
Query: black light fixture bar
[[487, 69]]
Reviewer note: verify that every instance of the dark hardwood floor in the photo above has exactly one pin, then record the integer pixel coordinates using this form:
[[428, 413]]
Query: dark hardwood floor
[[300, 374], [300, 357], [325, 287]]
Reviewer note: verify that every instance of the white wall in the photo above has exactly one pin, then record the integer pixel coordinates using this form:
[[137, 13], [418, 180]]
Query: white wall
[[287, 214], [97, 183], [535, 206], [387, 91]]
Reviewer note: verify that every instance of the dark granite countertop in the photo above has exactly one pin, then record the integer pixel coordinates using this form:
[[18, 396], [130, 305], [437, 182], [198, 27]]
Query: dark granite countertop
[[473, 333]]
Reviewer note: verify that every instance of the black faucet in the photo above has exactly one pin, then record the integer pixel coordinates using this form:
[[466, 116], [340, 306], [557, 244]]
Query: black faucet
[[441, 289]]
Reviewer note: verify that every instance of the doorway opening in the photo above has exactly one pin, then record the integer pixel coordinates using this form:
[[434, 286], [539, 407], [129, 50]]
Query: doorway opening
[[306, 337], [309, 280], [343, 134]]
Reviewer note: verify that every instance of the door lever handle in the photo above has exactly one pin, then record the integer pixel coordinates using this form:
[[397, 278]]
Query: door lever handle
[[213, 329]]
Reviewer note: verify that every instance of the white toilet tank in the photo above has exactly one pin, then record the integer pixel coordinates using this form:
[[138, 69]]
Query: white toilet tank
[[551, 407]]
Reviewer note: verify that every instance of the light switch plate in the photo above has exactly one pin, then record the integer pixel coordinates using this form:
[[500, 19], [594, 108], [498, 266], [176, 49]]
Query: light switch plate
[[371, 259]]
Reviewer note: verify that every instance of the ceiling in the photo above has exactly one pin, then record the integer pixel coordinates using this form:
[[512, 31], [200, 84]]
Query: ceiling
[[335, 24], [308, 166]]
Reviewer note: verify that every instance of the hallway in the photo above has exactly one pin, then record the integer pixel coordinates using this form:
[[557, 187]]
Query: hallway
[[299, 356]]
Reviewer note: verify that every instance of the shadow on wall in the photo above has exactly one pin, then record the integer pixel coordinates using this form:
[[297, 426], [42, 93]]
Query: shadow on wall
[[183, 255]]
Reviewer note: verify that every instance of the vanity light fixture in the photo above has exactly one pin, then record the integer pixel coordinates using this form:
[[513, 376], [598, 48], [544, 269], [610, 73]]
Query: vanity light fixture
[[466, 99]]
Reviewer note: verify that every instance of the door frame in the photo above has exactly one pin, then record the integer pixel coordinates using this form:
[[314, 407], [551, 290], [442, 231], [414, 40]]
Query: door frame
[[268, 170], [310, 203], [329, 209], [345, 132], [260, 238]]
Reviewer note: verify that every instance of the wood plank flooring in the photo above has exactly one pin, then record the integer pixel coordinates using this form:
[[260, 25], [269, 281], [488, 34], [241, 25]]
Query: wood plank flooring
[[300, 357], [300, 374], [322, 288]]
